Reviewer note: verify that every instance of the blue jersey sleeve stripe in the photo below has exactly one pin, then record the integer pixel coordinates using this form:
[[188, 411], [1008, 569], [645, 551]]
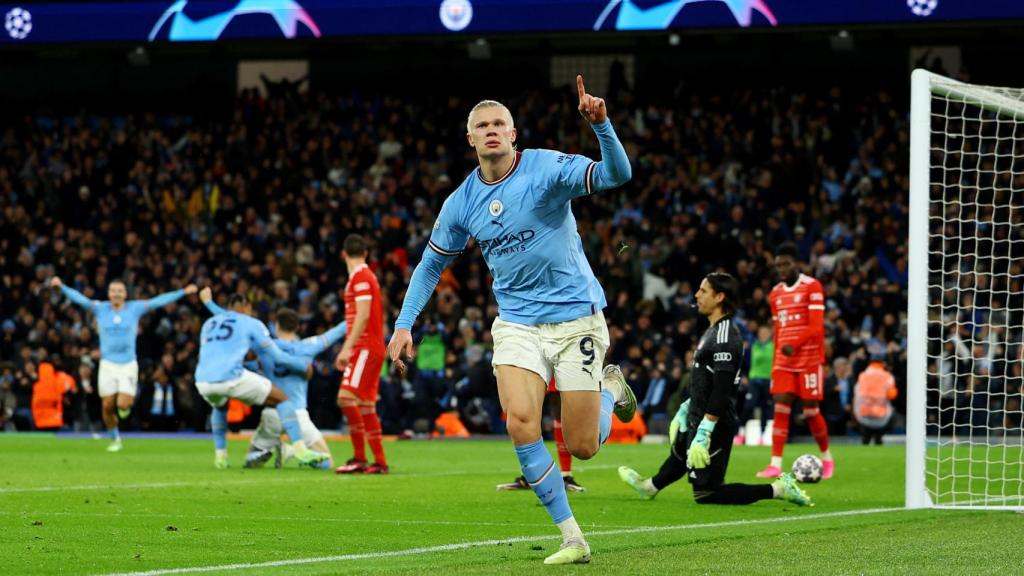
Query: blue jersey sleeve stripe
[[590, 172], [442, 251]]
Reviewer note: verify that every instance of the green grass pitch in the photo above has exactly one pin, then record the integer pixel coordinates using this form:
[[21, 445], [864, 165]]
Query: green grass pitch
[[69, 507]]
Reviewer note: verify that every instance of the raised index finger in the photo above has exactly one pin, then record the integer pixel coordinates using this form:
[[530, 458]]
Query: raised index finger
[[579, 86]]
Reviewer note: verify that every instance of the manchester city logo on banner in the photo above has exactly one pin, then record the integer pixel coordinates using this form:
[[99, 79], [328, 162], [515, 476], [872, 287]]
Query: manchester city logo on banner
[[456, 14]]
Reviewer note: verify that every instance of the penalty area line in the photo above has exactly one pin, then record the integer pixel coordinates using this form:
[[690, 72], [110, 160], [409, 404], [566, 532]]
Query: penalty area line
[[513, 540]]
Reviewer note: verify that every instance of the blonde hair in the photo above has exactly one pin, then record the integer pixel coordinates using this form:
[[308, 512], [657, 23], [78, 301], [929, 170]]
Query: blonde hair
[[487, 104]]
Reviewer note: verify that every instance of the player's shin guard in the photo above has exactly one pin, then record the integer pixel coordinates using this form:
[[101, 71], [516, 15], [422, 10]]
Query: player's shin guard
[[737, 494], [780, 429], [373, 433], [607, 407], [818, 426], [356, 429], [219, 426], [564, 457], [539, 470]]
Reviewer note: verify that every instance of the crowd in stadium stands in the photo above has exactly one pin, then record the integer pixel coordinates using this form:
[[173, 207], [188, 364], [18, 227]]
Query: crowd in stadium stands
[[258, 203]]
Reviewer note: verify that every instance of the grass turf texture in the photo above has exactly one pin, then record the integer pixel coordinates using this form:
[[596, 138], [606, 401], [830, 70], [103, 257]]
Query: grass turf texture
[[68, 507]]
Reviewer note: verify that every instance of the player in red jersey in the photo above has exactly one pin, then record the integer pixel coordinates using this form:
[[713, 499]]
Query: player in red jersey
[[564, 457], [361, 359], [798, 312]]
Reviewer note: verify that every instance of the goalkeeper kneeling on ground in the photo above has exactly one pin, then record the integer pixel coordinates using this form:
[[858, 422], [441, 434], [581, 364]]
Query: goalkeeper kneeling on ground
[[701, 434]]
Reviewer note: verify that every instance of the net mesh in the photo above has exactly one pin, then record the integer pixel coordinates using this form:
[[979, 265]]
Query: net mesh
[[975, 296]]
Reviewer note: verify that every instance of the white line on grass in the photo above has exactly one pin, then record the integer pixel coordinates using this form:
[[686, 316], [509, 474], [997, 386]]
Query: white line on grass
[[514, 540], [311, 476]]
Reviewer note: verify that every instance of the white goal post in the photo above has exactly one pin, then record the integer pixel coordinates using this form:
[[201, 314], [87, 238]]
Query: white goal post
[[965, 434]]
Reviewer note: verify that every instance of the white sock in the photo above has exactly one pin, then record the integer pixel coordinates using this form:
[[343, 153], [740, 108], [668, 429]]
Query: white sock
[[570, 530], [777, 489], [649, 486], [564, 473], [826, 455], [221, 452], [777, 462]]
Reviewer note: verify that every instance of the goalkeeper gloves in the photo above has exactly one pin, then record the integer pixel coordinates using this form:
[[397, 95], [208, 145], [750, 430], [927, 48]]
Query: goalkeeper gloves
[[697, 456], [679, 422]]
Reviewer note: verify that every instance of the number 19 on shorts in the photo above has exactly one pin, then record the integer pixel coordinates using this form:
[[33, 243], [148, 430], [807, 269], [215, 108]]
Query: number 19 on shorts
[[811, 380]]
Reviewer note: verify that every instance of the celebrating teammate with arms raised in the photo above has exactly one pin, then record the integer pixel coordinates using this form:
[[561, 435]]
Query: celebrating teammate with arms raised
[[118, 322]]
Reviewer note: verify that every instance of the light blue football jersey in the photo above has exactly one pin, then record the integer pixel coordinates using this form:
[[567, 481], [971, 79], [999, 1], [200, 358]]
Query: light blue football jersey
[[294, 383], [119, 329], [526, 230], [224, 341]]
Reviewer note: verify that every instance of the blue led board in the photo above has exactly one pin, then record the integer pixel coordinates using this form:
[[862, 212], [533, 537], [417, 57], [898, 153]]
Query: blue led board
[[209, 21]]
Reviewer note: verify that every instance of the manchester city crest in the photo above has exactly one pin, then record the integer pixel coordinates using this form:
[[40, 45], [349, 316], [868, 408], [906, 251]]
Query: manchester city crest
[[496, 208]]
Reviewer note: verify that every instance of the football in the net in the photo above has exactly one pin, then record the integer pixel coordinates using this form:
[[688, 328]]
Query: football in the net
[[807, 468]]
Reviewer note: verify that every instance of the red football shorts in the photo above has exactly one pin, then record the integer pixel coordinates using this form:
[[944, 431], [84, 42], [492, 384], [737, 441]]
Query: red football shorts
[[362, 375], [805, 384]]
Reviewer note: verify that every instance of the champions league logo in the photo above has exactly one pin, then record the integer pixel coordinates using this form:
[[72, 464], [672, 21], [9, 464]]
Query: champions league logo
[[922, 8], [18, 23], [456, 14], [661, 15], [286, 13]]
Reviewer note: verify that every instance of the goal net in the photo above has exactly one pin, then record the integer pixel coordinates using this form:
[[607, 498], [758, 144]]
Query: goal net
[[965, 439]]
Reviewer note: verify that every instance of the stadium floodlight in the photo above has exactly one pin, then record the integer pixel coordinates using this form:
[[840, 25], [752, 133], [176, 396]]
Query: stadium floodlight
[[965, 442]]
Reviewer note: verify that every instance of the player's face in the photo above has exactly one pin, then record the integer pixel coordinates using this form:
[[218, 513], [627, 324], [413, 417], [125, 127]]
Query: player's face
[[491, 132], [787, 268], [117, 293], [707, 299]]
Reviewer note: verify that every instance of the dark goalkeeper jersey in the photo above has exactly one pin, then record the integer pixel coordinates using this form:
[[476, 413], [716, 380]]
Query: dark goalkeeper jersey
[[718, 357]]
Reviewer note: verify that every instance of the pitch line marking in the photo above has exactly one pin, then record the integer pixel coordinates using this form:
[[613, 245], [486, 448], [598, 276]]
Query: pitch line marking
[[513, 540]]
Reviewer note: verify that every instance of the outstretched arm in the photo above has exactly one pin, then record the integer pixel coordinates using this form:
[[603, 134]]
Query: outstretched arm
[[327, 339], [281, 358], [74, 295], [169, 297]]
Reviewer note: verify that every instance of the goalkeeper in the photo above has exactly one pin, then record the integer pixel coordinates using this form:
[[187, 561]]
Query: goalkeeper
[[702, 431]]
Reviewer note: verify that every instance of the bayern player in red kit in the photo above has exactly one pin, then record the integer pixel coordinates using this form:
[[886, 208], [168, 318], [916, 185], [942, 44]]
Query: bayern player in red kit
[[798, 312], [361, 358]]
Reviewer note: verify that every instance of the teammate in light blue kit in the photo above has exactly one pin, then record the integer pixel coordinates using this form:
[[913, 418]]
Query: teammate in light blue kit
[[118, 322], [550, 320], [291, 416], [225, 340]]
